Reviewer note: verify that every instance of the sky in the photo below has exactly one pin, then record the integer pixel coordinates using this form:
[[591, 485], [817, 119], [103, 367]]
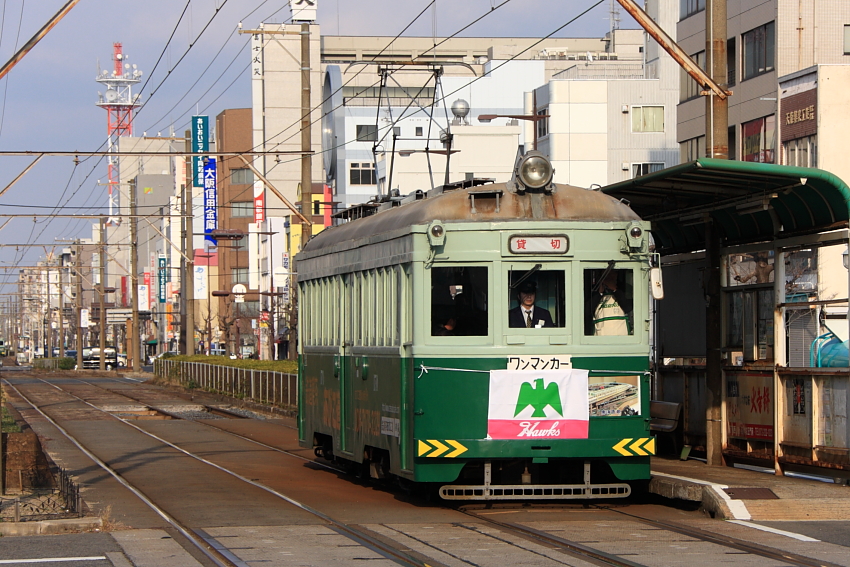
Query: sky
[[194, 62]]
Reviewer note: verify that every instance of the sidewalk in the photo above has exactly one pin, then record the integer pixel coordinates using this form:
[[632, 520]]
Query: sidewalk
[[720, 491]]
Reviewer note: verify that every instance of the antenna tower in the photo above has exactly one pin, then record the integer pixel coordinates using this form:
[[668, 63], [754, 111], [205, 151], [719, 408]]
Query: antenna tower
[[120, 103]]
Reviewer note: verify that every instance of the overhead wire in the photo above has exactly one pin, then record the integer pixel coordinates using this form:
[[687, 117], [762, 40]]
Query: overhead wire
[[202, 74], [6, 83], [447, 95]]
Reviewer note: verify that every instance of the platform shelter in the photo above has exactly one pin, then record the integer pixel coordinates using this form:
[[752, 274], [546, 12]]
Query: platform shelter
[[750, 336]]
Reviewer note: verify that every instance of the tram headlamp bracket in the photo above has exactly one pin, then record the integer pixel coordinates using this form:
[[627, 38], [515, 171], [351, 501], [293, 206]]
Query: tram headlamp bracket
[[532, 172], [635, 235], [436, 234]]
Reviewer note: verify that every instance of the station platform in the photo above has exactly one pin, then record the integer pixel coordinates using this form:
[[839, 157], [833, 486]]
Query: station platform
[[733, 493]]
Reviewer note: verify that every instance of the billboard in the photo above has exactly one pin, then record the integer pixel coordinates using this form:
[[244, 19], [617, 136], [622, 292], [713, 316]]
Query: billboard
[[210, 200], [200, 143]]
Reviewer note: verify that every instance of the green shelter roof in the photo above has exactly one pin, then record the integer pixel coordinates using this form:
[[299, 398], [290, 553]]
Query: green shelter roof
[[748, 202]]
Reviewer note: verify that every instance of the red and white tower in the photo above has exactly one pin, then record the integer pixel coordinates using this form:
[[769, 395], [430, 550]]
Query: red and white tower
[[120, 103]]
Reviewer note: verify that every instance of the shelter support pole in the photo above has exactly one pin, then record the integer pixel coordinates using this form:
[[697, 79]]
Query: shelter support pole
[[716, 108], [713, 354], [779, 354]]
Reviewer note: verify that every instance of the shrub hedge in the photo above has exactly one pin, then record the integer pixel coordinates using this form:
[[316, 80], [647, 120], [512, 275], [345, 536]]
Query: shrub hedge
[[288, 366]]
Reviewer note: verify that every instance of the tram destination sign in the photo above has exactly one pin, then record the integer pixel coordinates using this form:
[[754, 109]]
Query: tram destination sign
[[539, 244]]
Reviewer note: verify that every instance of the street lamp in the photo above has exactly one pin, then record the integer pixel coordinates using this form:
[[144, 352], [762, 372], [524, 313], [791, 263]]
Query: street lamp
[[535, 118]]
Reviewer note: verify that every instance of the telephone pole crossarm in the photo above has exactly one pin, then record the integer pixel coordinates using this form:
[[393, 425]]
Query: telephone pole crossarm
[[671, 47]]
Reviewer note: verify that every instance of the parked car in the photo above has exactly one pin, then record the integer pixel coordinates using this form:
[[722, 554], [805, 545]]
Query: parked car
[[91, 358]]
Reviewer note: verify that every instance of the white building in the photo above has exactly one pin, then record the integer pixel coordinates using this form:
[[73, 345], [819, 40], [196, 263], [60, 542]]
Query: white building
[[611, 120]]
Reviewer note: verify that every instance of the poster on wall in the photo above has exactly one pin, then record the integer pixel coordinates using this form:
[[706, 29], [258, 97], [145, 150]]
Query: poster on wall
[[547, 404], [614, 395], [749, 406]]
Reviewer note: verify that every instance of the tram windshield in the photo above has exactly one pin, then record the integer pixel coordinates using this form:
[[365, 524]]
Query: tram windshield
[[459, 301], [536, 298], [609, 304]]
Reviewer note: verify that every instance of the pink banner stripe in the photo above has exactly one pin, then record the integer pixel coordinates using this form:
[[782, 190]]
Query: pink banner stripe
[[537, 429]]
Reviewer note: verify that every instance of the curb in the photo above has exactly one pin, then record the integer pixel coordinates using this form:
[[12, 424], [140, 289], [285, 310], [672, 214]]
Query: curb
[[50, 527], [714, 500]]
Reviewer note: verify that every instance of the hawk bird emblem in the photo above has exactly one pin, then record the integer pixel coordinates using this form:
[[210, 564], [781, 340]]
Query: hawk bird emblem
[[539, 397]]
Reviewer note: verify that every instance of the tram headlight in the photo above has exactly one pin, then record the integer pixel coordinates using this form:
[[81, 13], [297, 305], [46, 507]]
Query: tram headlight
[[635, 235], [436, 234], [534, 170]]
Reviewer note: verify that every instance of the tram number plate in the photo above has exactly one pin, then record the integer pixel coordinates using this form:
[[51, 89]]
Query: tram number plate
[[539, 362], [390, 426]]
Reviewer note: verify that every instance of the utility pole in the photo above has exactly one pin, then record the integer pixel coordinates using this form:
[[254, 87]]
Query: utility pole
[[187, 267], [102, 292], [716, 108], [134, 277], [716, 146], [61, 314], [306, 179], [78, 263]]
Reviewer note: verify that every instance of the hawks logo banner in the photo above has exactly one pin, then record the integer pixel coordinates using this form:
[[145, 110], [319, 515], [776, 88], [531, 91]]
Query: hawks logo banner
[[549, 404]]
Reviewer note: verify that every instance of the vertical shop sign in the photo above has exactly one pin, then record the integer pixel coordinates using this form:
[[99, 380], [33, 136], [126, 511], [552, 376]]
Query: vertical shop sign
[[210, 200], [200, 143], [161, 273]]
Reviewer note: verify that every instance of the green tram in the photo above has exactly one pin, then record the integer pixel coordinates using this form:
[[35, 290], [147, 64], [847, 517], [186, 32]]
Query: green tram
[[419, 359]]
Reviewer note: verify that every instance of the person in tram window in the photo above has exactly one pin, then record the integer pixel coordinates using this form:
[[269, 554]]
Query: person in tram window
[[612, 310], [527, 314]]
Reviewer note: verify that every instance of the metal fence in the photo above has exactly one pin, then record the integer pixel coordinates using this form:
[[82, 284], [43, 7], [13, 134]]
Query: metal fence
[[46, 363], [64, 501], [267, 387]]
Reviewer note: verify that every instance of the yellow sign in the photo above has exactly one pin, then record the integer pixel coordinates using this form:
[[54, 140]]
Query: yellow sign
[[636, 447], [435, 448]]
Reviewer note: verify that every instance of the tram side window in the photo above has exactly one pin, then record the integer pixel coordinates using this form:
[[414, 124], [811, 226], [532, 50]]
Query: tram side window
[[609, 302], [459, 301], [540, 292]]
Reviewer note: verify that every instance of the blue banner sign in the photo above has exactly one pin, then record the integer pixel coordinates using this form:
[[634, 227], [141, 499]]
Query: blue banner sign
[[200, 143], [210, 199], [163, 270]]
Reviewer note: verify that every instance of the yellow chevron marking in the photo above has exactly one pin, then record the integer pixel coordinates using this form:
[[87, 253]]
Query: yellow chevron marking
[[636, 447], [650, 447], [620, 447], [423, 448], [459, 449], [440, 448]]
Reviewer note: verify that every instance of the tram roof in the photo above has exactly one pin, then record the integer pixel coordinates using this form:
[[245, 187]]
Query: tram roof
[[749, 202]]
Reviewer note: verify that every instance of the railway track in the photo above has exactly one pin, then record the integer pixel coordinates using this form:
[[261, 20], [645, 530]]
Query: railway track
[[398, 544]]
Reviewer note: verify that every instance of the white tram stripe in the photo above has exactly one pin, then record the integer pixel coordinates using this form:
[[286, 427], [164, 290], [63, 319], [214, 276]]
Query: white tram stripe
[[51, 560]]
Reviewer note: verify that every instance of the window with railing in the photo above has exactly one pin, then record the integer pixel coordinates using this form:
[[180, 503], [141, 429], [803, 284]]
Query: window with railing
[[688, 88], [690, 7], [689, 150], [757, 51], [802, 152], [758, 140], [542, 123]]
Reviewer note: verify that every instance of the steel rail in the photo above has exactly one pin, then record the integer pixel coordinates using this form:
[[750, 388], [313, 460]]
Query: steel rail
[[727, 541], [575, 549], [391, 553], [212, 555]]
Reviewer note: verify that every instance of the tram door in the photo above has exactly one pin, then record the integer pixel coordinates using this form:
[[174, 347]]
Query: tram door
[[350, 302]]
